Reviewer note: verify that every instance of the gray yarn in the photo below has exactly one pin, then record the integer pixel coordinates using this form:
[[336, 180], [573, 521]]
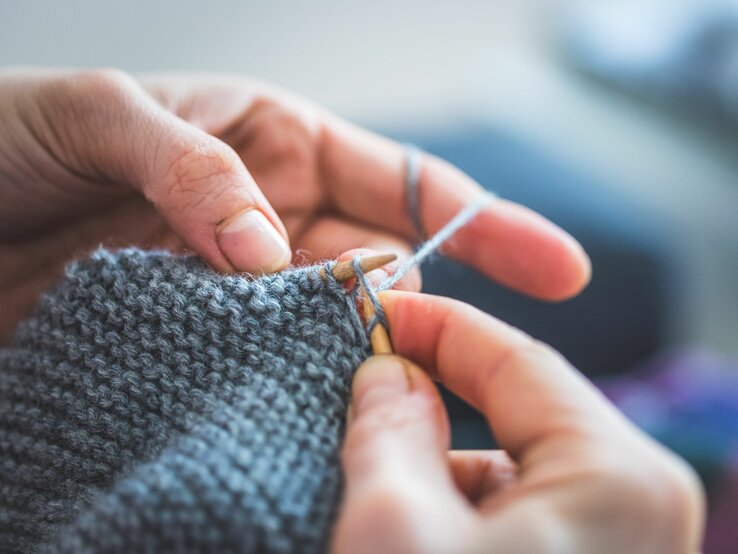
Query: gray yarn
[[461, 219], [379, 316], [413, 159], [151, 405]]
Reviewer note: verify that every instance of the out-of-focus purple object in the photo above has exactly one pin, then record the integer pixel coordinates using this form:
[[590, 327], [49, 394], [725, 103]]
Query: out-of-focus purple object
[[680, 50], [689, 402]]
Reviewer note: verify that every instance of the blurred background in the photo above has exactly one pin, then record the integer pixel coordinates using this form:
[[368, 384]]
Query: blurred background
[[617, 119]]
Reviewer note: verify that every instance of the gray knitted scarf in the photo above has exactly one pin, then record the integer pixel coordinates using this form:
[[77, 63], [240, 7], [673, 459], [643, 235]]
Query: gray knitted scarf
[[152, 405]]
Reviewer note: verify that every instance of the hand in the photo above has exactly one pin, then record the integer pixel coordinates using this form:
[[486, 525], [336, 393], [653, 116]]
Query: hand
[[574, 477], [235, 170]]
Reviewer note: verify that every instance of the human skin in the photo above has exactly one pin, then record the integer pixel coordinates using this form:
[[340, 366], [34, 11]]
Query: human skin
[[244, 174], [574, 476], [251, 177]]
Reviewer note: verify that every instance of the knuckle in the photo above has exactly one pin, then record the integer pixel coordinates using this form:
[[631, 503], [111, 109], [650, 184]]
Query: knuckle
[[199, 172], [104, 83], [289, 130], [646, 493], [531, 353], [92, 100], [618, 485], [681, 493]]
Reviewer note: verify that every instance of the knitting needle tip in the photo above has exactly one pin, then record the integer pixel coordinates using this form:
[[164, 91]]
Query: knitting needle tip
[[343, 271]]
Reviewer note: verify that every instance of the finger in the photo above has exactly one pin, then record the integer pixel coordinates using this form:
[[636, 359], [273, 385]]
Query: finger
[[328, 237], [533, 400], [480, 473], [365, 174], [395, 411], [196, 182], [395, 463]]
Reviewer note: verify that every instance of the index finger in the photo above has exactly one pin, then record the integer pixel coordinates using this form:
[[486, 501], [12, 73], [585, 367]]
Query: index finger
[[365, 177], [529, 394]]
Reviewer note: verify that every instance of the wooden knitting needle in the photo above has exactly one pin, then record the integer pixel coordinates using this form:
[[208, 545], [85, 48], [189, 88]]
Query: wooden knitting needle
[[343, 271]]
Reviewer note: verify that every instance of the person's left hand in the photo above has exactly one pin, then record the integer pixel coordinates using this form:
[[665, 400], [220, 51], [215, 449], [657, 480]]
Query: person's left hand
[[235, 170]]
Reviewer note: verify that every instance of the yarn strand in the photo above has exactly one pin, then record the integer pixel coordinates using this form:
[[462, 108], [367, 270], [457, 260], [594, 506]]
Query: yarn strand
[[379, 316], [413, 159], [460, 220]]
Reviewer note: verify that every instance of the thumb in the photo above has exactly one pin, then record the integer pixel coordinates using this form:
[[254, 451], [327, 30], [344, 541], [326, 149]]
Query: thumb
[[396, 465], [204, 191], [197, 183]]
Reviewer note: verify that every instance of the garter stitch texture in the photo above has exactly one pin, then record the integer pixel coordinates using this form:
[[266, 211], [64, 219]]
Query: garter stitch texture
[[151, 405]]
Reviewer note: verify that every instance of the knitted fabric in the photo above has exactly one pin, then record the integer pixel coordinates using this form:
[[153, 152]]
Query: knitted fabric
[[152, 405]]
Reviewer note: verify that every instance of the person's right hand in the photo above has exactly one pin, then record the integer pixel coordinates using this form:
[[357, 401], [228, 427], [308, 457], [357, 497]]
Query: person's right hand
[[575, 476]]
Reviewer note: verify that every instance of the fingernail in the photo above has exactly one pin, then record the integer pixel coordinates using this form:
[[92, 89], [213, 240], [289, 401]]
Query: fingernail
[[378, 380], [251, 243]]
